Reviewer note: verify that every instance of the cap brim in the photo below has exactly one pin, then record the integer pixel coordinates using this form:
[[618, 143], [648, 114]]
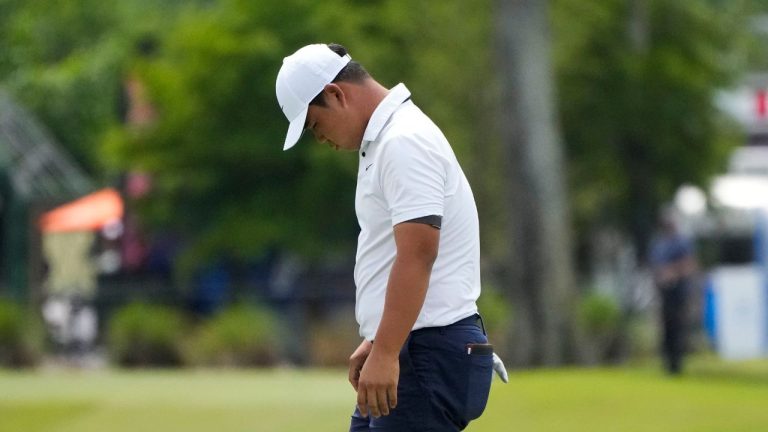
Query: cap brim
[[295, 129]]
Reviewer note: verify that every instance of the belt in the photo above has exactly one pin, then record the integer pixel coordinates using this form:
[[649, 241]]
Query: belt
[[474, 319]]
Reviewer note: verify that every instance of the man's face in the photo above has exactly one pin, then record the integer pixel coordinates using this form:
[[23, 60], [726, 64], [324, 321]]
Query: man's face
[[336, 123]]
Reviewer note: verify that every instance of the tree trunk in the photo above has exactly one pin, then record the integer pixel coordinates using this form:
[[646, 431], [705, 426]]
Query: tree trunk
[[636, 153], [539, 278]]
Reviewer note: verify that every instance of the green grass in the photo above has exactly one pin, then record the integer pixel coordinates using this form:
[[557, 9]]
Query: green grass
[[711, 396]]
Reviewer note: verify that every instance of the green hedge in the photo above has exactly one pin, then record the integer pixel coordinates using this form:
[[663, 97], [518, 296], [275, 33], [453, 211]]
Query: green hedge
[[598, 319], [143, 335], [243, 335], [21, 336]]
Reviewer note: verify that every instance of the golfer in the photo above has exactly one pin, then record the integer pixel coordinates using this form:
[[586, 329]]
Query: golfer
[[424, 363]]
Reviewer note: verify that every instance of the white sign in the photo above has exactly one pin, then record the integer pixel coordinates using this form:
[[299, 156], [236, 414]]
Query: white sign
[[740, 303]]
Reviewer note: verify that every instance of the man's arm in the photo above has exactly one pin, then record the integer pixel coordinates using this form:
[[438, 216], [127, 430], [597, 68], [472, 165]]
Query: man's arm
[[417, 246]]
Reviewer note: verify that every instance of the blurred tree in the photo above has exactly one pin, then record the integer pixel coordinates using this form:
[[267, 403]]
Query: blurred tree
[[757, 13], [58, 59], [539, 275], [64, 59], [220, 176], [637, 81]]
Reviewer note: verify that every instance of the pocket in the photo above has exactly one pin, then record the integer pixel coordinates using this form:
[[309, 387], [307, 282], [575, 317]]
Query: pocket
[[479, 385]]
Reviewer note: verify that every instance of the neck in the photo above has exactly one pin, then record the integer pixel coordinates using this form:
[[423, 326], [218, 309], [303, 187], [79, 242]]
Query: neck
[[372, 96], [363, 98]]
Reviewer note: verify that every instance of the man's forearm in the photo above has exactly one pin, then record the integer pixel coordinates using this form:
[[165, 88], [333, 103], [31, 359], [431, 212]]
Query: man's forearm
[[406, 291]]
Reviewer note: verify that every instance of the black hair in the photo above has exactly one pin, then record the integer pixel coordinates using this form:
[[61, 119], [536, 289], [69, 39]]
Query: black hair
[[353, 72]]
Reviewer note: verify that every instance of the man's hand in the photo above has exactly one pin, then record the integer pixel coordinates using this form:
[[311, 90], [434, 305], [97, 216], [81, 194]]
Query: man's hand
[[377, 384], [357, 360]]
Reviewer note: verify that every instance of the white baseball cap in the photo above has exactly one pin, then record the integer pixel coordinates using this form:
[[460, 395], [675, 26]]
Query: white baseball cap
[[303, 76]]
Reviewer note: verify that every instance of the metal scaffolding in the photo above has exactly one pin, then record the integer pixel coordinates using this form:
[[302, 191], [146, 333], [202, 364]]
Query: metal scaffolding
[[34, 173]]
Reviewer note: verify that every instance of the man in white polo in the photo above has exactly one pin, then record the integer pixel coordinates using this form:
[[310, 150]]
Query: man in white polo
[[424, 363]]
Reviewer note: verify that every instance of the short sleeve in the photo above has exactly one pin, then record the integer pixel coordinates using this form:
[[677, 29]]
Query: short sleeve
[[413, 177]]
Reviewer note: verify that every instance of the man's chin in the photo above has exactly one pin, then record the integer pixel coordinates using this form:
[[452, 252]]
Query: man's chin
[[347, 149]]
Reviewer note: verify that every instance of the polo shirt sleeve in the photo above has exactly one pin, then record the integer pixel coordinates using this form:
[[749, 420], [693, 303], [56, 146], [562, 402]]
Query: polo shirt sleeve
[[412, 177]]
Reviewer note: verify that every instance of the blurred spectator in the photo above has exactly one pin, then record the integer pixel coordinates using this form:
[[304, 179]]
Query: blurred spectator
[[70, 287], [673, 264], [212, 288]]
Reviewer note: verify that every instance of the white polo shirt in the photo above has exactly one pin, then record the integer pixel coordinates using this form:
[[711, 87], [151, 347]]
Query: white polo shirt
[[408, 170]]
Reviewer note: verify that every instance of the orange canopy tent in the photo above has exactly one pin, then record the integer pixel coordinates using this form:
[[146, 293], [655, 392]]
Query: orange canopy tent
[[88, 213]]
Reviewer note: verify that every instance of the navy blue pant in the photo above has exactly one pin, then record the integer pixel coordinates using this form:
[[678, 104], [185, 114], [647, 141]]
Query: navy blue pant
[[441, 387], [673, 313]]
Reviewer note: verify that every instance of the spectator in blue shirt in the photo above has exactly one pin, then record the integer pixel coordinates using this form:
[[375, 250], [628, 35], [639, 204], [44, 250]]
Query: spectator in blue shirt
[[673, 263]]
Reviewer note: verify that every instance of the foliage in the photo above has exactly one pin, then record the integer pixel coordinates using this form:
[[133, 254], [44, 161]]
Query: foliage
[[239, 336], [642, 333], [21, 336], [65, 60], [60, 60], [598, 314], [494, 308], [756, 11], [638, 111], [598, 318], [219, 174], [145, 335]]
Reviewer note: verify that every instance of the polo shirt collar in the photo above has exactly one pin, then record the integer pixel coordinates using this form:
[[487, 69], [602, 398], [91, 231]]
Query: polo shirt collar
[[391, 102]]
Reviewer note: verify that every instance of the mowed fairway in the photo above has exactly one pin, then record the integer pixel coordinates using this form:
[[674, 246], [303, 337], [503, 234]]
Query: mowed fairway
[[712, 397]]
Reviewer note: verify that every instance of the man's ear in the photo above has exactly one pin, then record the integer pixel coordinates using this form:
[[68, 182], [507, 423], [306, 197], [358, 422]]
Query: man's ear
[[335, 92]]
